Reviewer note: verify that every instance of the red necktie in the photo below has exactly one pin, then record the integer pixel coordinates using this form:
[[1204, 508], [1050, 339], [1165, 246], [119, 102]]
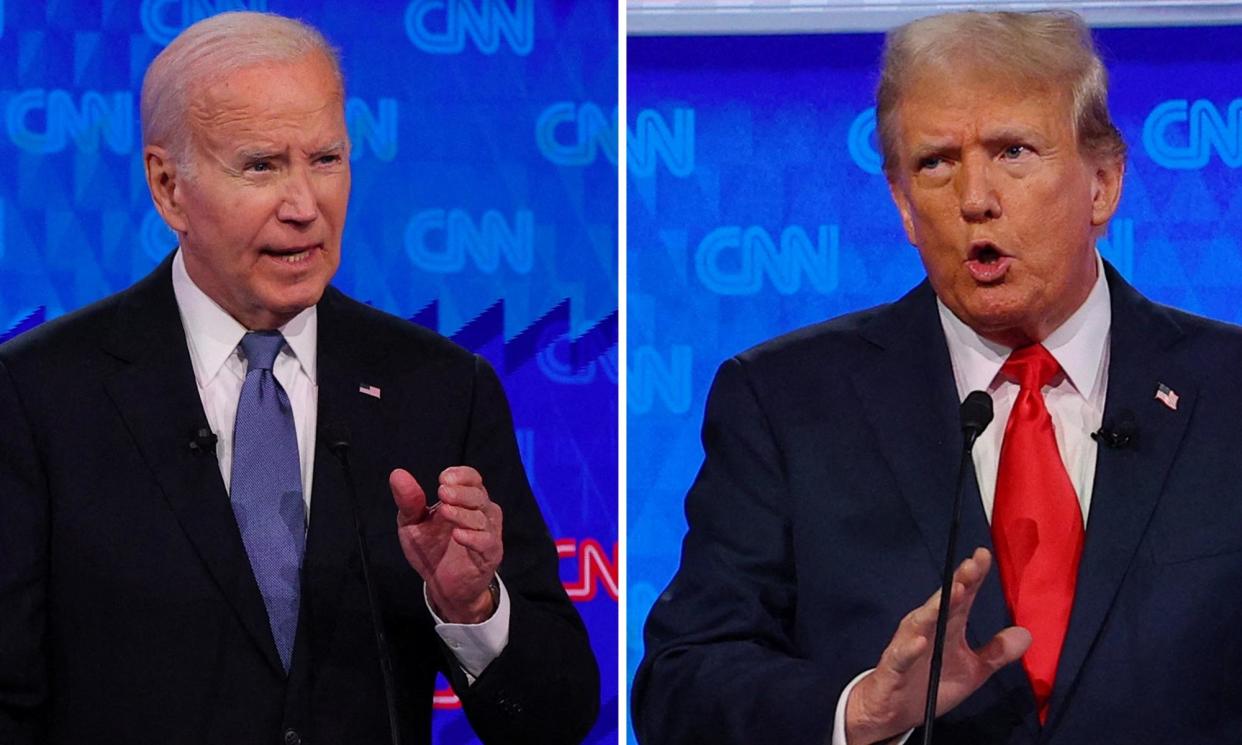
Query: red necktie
[[1036, 521]]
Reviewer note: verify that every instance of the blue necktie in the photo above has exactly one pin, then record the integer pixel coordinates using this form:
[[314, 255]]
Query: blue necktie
[[266, 487]]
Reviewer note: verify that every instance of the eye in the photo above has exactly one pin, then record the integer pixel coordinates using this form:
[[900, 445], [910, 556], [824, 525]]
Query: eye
[[259, 166], [930, 162], [329, 159], [1013, 152]]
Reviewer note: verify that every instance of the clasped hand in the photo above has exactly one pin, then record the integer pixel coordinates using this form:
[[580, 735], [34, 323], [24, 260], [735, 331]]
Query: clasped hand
[[891, 698], [455, 545]]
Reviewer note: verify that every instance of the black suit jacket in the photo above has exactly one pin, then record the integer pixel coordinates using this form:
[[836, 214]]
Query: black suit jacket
[[820, 518], [128, 610]]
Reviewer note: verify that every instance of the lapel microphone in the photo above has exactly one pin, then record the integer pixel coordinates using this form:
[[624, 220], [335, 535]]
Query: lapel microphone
[[1121, 434], [976, 414], [337, 438], [203, 441]]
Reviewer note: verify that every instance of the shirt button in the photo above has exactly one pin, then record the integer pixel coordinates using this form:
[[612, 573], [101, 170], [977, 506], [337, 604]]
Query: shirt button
[[292, 737]]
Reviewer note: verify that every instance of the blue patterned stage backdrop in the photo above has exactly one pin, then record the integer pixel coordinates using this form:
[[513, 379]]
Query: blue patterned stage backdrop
[[756, 206], [484, 206]]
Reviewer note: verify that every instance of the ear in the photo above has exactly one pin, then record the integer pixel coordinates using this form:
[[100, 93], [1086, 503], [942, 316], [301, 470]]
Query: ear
[[162, 180], [902, 200], [1106, 190]]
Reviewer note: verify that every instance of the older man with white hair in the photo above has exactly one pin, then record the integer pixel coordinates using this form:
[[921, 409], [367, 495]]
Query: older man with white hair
[[213, 521], [1105, 496]]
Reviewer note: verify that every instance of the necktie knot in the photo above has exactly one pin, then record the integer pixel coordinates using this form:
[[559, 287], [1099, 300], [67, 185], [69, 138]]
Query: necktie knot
[[1032, 366], [261, 348]]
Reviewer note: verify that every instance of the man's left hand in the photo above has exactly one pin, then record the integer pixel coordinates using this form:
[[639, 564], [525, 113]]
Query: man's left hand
[[455, 546]]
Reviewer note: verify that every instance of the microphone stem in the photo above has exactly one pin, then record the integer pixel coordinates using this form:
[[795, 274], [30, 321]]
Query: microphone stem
[[946, 591], [381, 643]]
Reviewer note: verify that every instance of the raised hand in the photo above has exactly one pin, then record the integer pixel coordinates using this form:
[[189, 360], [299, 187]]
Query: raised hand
[[455, 545], [890, 700]]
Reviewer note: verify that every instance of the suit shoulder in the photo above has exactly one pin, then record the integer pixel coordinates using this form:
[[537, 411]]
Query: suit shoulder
[[69, 334], [398, 336], [1208, 341], [834, 341]]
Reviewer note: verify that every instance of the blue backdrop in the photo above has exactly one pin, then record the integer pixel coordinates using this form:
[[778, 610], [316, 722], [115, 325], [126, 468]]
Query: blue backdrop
[[476, 211], [756, 206]]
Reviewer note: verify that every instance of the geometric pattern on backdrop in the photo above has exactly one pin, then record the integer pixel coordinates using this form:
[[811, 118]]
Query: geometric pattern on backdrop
[[482, 206]]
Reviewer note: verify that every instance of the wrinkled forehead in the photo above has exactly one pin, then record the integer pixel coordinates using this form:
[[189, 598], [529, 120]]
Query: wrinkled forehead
[[302, 94]]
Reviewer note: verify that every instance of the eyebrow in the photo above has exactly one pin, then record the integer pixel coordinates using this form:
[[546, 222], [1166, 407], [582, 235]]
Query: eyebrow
[[258, 153]]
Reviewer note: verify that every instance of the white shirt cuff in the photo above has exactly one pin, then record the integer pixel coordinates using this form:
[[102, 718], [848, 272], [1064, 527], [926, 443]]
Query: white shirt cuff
[[475, 645], [838, 721]]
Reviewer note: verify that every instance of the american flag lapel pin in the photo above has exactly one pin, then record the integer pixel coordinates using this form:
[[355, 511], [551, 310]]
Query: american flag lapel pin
[[369, 390], [1166, 396]]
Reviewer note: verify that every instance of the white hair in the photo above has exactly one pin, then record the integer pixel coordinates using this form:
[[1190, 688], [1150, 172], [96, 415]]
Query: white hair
[[206, 52]]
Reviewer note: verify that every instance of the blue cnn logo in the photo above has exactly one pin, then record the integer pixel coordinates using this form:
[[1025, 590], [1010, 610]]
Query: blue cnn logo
[[732, 260], [554, 362], [666, 376], [861, 142], [439, 240], [162, 20], [442, 26], [653, 141], [570, 134], [95, 116], [1181, 135], [378, 129]]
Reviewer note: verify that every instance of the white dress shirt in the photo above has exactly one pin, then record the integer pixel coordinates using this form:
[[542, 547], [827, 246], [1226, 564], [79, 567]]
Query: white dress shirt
[[214, 337], [1074, 397]]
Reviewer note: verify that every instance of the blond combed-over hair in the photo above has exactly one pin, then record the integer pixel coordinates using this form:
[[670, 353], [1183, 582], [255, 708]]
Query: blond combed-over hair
[[1052, 49]]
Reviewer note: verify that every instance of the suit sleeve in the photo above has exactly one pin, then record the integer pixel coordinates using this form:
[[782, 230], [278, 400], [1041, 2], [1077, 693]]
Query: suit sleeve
[[544, 687], [722, 664], [23, 573]]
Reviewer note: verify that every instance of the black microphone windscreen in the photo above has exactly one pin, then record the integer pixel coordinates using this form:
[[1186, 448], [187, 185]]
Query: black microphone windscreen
[[336, 436], [976, 412]]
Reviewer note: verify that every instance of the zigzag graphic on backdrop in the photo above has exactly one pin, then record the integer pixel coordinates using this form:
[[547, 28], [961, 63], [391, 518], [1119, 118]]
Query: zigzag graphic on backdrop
[[483, 328], [32, 319], [540, 334]]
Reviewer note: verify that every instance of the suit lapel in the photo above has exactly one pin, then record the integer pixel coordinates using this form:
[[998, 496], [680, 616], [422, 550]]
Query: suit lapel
[[1128, 482], [910, 398], [345, 364], [157, 397]]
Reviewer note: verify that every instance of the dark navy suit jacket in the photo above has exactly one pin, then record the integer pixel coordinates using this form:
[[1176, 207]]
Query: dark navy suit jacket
[[128, 610], [821, 513]]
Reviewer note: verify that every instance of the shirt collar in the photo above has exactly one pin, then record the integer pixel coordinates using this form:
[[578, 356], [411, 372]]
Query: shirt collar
[[212, 335], [1079, 344]]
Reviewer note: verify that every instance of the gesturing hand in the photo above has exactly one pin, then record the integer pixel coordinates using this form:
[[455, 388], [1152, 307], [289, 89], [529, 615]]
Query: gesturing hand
[[456, 545], [890, 700]]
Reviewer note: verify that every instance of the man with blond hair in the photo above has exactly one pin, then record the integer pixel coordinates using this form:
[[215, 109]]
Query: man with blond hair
[[212, 483], [1100, 523]]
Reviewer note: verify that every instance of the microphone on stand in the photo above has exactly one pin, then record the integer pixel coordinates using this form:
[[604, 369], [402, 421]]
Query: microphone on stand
[[337, 438], [976, 414]]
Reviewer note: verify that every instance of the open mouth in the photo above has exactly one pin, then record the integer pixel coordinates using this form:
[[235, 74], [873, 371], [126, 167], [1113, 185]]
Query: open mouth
[[291, 255], [985, 253], [986, 262]]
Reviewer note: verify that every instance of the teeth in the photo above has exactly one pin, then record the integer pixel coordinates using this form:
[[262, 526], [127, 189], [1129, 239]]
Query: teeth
[[293, 258]]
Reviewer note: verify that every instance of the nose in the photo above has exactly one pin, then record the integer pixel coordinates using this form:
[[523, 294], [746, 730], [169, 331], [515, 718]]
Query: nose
[[298, 203], [976, 191]]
